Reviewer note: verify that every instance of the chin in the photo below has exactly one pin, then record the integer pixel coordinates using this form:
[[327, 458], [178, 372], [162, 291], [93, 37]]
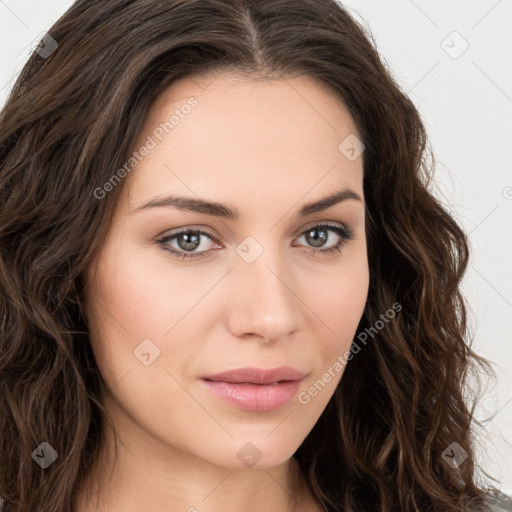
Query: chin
[[252, 455]]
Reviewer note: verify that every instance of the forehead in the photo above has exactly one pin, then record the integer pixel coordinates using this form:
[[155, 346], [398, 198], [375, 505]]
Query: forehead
[[231, 133], [246, 106]]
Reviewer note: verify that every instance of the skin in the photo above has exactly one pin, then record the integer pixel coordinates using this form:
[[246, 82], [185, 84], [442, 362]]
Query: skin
[[265, 148]]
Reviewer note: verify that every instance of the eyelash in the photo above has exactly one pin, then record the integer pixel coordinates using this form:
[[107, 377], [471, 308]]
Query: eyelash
[[344, 233]]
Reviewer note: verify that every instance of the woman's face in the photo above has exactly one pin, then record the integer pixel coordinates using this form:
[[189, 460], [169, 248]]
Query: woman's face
[[263, 286]]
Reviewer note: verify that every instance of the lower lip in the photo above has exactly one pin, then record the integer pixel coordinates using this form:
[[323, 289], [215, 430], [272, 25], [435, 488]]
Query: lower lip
[[255, 397]]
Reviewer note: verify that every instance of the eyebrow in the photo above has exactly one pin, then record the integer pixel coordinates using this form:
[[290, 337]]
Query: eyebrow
[[230, 213]]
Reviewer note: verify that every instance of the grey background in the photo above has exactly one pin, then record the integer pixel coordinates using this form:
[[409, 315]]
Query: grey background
[[465, 97]]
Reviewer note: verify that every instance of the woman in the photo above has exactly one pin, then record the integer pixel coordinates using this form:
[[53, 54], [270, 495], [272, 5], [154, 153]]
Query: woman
[[225, 283]]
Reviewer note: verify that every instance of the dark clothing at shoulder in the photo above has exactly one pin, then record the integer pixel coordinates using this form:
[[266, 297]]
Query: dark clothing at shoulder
[[497, 502]]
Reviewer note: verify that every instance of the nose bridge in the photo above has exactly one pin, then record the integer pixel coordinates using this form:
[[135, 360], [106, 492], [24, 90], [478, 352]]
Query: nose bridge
[[263, 299]]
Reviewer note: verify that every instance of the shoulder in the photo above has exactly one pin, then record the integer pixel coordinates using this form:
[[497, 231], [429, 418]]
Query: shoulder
[[496, 502]]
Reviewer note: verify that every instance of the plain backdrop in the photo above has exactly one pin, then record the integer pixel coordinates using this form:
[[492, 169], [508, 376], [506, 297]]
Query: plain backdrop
[[454, 59]]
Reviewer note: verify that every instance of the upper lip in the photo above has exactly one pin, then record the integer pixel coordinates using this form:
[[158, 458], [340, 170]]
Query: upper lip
[[252, 375]]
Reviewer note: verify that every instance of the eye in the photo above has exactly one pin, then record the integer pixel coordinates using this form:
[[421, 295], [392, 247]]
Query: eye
[[185, 242], [317, 236]]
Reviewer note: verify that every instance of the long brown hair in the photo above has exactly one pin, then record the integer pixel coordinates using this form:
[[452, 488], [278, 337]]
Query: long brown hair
[[71, 121]]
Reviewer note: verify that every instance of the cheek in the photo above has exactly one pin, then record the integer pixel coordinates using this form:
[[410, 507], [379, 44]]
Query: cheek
[[134, 298], [345, 306], [343, 298], [341, 309], [146, 295], [340, 305]]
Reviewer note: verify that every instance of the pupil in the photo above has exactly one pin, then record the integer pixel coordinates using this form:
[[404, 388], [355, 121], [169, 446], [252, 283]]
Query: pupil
[[316, 241], [192, 240]]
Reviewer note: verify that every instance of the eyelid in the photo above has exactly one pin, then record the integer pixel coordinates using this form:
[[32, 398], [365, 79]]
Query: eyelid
[[327, 223], [185, 229]]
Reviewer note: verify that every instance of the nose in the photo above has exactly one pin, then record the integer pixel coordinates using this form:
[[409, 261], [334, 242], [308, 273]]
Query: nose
[[263, 302]]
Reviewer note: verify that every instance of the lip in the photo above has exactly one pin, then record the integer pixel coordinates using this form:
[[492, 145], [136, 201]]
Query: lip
[[253, 375], [255, 389]]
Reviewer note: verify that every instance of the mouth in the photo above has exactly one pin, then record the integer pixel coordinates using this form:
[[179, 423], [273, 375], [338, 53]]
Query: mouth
[[255, 389], [252, 375]]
